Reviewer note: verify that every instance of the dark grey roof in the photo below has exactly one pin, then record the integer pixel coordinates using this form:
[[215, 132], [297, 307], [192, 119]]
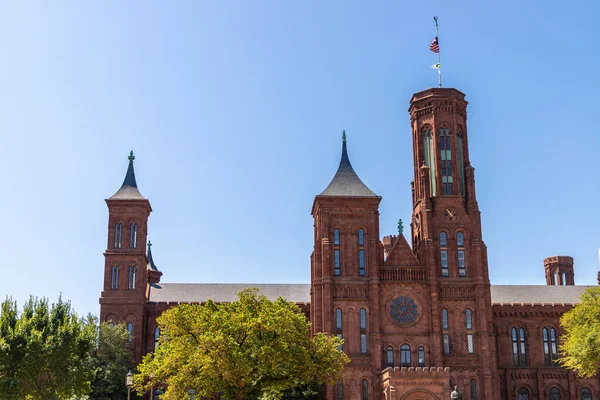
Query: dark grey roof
[[225, 292], [151, 264], [300, 293], [128, 190], [346, 182], [536, 294]]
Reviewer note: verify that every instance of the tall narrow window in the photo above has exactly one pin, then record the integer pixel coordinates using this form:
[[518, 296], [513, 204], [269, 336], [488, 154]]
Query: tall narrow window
[[461, 162], [365, 390], [460, 244], [389, 357], [445, 335], [469, 326], [129, 332], [523, 394], [338, 325], [429, 155], [473, 389], [547, 359], [563, 278], [515, 346], [361, 252], [446, 157], [131, 277], [554, 394], [421, 356], [114, 277], [340, 390], [133, 231], [156, 337], [405, 355], [553, 349], [522, 347], [556, 278], [118, 234], [444, 254], [586, 394], [363, 331], [337, 262], [361, 262]]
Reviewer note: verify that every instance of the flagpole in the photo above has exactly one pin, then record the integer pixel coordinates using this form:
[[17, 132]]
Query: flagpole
[[438, 53]]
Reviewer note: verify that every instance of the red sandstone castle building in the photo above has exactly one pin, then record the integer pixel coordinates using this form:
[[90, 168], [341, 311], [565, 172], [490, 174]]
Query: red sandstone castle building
[[416, 320]]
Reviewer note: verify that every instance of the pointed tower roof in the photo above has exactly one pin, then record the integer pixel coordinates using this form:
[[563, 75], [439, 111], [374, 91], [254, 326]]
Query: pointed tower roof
[[129, 189], [151, 264], [345, 182]]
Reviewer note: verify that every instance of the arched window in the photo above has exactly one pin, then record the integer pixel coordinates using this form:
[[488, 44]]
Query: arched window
[[444, 253], [556, 278], [365, 390], [523, 394], [131, 277], [469, 326], [114, 277], [473, 389], [429, 155], [461, 161], [586, 394], [445, 335], [554, 394], [421, 356], [460, 253], [118, 234], [389, 356], [363, 331], [446, 157], [550, 350], [564, 278], [130, 332], [340, 390], [337, 262], [338, 325], [361, 252], [133, 231], [405, 355], [156, 337]]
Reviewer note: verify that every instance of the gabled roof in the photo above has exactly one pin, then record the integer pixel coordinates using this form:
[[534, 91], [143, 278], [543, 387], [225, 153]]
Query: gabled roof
[[536, 294], [128, 190], [401, 255], [345, 182]]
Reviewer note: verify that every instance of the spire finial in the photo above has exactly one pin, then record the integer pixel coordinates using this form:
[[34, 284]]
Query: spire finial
[[400, 227], [344, 135], [131, 157], [149, 246]]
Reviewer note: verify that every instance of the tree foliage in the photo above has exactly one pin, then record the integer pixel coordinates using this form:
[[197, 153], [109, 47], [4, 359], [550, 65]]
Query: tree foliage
[[250, 348], [44, 351], [580, 348], [111, 361]]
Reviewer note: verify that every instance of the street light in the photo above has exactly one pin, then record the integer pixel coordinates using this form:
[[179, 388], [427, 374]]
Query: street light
[[151, 385], [128, 383]]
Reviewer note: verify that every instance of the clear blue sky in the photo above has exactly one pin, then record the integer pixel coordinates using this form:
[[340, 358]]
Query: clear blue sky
[[235, 111]]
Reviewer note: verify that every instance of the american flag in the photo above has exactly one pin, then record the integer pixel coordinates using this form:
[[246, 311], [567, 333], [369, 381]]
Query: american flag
[[434, 46]]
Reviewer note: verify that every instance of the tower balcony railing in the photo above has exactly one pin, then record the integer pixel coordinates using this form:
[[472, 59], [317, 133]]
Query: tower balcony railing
[[404, 274]]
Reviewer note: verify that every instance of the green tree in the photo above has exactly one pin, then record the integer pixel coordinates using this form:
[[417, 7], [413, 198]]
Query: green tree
[[111, 361], [44, 351], [580, 347], [251, 348]]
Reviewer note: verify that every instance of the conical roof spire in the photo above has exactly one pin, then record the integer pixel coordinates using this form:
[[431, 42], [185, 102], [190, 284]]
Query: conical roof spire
[[346, 182], [150, 260], [129, 190]]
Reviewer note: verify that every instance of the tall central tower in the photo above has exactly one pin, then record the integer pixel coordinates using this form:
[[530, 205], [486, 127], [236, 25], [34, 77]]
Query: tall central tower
[[446, 236]]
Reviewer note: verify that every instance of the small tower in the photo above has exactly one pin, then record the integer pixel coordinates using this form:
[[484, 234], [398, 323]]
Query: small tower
[[126, 266], [559, 271]]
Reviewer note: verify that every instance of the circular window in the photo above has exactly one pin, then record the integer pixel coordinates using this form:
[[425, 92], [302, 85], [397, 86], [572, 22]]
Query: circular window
[[404, 310]]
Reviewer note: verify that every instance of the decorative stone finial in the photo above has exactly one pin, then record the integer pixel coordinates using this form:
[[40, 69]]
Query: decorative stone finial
[[400, 227], [149, 246], [344, 135], [131, 157]]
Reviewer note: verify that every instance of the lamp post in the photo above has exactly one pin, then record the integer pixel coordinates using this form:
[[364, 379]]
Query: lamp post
[[128, 383], [151, 385]]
